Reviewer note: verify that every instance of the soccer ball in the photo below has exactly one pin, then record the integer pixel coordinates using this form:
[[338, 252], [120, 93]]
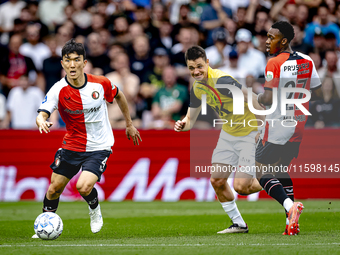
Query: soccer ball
[[48, 226]]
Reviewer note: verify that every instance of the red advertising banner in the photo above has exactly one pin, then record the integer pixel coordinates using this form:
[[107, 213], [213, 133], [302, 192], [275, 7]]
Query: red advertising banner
[[157, 169]]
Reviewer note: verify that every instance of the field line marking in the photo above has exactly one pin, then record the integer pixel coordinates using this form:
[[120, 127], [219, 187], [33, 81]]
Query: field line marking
[[158, 245]]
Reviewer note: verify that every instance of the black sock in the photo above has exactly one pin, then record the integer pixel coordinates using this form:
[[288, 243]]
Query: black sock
[[92, 199], [50, 205], [287, 184], [273, 187]]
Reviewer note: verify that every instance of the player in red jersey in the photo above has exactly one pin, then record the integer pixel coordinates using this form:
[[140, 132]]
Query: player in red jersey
[[81, 100], [279, 144]]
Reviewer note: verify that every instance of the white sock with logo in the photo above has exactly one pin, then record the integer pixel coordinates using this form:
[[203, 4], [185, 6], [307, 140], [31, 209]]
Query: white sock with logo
[[231, 209]]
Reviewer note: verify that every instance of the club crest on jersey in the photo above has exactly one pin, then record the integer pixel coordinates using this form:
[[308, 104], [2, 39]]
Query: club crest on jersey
[[95, 95], [57, 162], [269, 76]]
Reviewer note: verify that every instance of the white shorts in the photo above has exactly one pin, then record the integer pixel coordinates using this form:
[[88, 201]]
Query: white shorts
[[237, 151]]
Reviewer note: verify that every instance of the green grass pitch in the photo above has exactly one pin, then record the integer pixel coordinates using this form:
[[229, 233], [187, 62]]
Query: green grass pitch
[[185, 227]]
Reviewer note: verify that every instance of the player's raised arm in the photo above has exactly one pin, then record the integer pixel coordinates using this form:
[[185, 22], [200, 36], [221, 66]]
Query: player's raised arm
[[131, 131], [42, 122]]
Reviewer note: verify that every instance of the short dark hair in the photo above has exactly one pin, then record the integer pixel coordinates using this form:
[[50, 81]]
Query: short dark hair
[[286, 29], [195, 52], [72, 46]]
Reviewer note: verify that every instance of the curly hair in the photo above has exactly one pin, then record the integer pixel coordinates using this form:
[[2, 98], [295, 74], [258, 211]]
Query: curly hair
[[286, 29]]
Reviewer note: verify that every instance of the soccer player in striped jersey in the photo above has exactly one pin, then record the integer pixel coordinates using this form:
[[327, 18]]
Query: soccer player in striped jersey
[[279, 143], [236, 144], [81, 100]]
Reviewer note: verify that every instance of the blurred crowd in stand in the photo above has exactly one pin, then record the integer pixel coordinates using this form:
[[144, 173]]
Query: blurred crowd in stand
[[140, 44]]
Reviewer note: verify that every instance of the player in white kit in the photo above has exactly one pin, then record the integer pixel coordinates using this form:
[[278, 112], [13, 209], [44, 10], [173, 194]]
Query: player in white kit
[[81, 100], [280, 141]]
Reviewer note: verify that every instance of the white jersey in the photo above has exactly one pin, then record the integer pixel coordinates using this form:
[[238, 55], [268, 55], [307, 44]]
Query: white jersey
[[288, 70], [84, 112]]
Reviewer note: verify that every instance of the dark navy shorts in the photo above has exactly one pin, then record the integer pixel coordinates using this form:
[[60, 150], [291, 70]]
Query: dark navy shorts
[[68, 163], [270, 153]]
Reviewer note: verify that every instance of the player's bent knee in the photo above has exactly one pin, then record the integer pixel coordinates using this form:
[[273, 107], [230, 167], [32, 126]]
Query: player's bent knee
[[84, 189], [242, 188], [55, 190], [217, 182]]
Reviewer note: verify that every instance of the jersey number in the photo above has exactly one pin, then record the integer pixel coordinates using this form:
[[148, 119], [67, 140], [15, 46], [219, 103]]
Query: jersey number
[[293, 85]]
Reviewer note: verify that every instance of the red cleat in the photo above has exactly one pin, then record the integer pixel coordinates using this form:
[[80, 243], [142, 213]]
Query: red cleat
[[286, 231], [293, 217]]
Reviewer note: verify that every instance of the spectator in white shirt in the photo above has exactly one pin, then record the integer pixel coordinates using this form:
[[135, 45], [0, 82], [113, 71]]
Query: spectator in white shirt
[[9, 11], [22, 104], [251, 60], [34, 48], [218, 52]]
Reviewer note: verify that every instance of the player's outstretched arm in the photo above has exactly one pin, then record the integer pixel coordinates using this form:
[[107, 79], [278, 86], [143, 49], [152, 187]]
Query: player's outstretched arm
[[189, 120], [131, 131], [42, 122]]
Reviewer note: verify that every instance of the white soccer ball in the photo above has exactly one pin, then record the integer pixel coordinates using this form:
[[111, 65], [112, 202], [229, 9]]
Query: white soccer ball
[[48, 226]]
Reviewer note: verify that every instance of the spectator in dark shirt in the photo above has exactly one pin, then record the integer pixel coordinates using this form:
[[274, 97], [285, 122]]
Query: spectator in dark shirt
[[141, 61], [213, 16], [298, 44], [152, 80], [142, 16], [51, 66], [96, 52], [325, 112]]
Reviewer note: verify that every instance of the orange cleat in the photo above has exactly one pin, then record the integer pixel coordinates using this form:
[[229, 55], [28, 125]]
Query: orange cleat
[[293, 217]]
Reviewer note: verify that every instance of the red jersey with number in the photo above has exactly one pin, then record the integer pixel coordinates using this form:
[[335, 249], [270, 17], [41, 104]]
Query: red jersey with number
[[286, 70], [84, 111]]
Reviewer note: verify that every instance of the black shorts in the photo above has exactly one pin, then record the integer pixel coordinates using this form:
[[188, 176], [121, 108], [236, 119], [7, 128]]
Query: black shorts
[[68, 163], [270, 153]]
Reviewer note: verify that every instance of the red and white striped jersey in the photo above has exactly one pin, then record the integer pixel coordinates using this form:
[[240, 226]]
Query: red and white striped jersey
[[288, 70], [84, 111]]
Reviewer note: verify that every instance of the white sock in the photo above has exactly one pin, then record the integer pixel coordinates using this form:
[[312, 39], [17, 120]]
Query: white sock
[[287, 204], [287, 221], [231, 209]]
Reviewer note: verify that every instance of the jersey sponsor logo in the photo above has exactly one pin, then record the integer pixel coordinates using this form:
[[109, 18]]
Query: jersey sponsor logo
[[93, 109], [298, 118], [45, 99], [95, 95], [301, 72], [269, 76], [291, 68]]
